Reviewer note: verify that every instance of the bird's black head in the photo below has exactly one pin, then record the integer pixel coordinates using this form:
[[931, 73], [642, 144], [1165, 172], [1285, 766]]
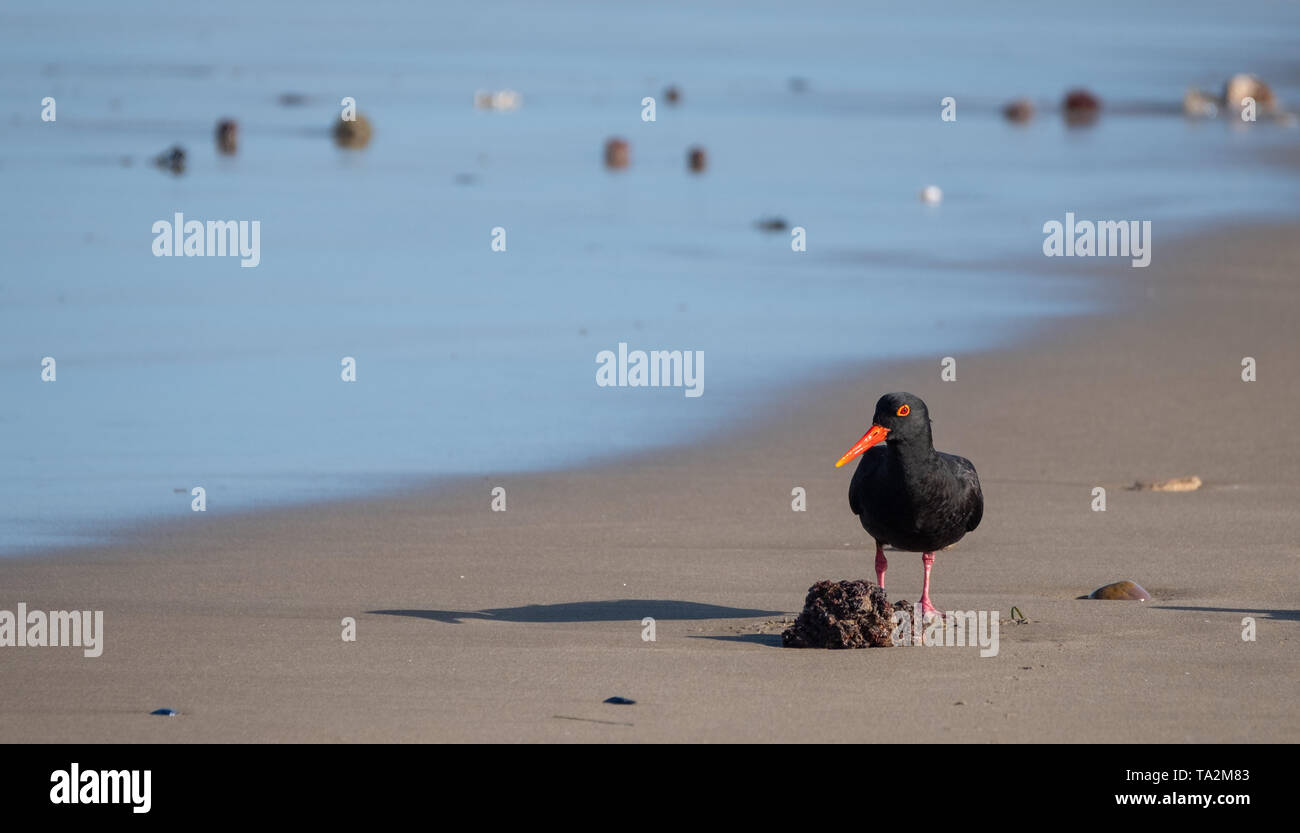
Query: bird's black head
[[906, 417], [902, 419]]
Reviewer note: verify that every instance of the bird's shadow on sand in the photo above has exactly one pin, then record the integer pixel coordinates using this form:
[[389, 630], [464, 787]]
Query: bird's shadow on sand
[[1285, 615], [771, 640], [614, 610]]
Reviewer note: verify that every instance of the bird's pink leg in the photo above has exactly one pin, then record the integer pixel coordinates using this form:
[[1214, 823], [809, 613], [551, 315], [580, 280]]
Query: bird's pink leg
[[926, 608], [881, 564]]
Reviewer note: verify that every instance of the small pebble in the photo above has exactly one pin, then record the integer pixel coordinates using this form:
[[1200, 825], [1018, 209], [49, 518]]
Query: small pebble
[[172, 160], [1081, 107], [697, 160], [773, 224], [504, 101], [932, 195], [353, 135], [1173, 484], [672, 95], [164, 712], [620, 701], [1021, 110], [1121, 591], [617, 154], [228, 136], [1242, 85]]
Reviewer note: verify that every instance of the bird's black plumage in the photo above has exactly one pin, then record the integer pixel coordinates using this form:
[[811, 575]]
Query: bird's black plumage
[[908, 495]]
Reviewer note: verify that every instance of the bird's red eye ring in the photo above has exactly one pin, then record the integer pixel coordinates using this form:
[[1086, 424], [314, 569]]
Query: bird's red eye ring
[[904, 410]]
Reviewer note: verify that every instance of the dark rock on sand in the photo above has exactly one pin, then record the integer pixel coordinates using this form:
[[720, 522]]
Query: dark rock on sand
[[164, 712], [620, 701], [172, 160], [1121, 591], [844, 614], [1081, 107], [617, 153], [228, 136], [354, 134], [697, 160], [1021, 110]]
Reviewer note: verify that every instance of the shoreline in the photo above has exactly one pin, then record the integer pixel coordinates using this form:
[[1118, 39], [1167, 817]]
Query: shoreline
[[515, 626], [119, 540], [1085, 273]]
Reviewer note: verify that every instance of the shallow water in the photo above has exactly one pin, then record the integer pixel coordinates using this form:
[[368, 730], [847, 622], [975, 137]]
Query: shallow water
[[181, 372]]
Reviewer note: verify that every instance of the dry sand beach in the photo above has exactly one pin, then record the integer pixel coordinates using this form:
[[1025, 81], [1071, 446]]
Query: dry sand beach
[[475, 625]]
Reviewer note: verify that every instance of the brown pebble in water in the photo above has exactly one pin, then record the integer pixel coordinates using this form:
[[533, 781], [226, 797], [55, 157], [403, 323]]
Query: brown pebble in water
[[617, 153], [672, 95], [1021, 110], [353, 134], [228, 136], [1244, 85], [1081, 107], [697, 160], [844, 614], [1121, 591]]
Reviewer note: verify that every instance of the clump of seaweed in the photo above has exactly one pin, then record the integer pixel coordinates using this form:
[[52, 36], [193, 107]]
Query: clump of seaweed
[[845, 614]]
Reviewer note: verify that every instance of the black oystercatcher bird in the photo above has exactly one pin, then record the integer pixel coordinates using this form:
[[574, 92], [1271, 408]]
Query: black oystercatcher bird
[[907, 494]]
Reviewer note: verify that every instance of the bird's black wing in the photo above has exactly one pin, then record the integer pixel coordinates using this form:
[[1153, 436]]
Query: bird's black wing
[[859, 488], [969, 496]]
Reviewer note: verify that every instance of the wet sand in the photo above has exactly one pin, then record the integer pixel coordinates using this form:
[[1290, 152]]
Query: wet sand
[[474, 625]]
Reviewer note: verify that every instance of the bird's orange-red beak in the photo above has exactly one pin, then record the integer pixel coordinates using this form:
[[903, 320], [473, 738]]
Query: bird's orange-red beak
[[875, 435]]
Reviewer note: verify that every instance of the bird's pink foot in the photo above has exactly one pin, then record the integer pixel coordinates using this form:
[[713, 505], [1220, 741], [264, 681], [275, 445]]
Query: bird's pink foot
[[881, 564], [927, 609]]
